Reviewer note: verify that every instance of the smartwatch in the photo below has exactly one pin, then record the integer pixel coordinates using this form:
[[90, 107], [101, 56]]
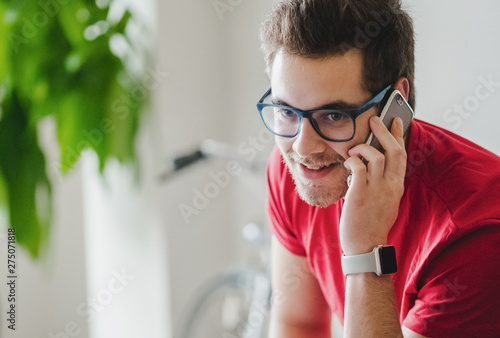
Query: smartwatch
[[382, 261]]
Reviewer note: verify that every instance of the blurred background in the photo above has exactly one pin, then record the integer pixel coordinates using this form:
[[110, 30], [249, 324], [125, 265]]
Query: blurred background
[[110, 240]]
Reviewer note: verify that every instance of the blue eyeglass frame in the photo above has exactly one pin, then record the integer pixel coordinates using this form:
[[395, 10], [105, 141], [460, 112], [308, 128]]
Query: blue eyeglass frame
[[308, 113]]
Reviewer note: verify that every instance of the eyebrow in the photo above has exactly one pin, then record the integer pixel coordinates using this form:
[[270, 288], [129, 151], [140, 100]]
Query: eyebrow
[[337, 105]]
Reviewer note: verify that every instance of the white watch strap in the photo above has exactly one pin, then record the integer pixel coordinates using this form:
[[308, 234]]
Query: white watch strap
[[360, 263]]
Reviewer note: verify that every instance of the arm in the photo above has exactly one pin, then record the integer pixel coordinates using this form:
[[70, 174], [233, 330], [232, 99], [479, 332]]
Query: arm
[[371, 307], [370, 210], [298, 309]]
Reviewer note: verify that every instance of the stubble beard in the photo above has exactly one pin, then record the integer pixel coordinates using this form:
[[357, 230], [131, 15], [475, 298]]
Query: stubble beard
[[318, 193]]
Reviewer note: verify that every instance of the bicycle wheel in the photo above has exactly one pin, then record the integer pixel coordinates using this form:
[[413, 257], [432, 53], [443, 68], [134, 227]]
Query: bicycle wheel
[[235, 305]]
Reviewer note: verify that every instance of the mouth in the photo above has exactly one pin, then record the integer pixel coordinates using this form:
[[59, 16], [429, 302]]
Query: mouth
[[311, 172]]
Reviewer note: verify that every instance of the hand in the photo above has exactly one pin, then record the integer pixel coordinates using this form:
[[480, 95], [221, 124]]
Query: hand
[[372, 201]]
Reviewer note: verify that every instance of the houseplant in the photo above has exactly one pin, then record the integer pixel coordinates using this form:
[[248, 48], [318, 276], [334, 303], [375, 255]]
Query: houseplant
[[57, 61]]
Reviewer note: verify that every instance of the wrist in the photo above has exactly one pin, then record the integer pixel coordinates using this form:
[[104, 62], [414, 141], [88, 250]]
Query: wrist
[[381, 260], [359, 248]]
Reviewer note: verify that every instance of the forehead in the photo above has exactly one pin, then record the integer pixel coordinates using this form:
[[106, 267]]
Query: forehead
[[306, 83]]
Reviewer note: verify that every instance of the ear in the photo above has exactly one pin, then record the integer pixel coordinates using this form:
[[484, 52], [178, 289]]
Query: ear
[[403, 86]]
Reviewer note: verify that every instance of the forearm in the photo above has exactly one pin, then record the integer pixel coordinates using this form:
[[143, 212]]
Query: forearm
[[370, 307]]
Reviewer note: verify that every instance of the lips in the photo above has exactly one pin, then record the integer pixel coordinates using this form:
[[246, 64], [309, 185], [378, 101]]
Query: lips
[[315, 172]]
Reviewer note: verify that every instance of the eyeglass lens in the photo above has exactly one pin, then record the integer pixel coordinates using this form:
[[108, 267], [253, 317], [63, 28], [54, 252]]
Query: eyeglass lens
[[286, 122]]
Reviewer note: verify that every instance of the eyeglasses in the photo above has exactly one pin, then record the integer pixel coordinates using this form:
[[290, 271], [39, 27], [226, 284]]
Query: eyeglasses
[[331, 124]]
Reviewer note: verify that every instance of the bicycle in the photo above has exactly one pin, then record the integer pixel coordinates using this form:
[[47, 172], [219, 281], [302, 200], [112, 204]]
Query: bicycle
[[235, 304], [232, 305]]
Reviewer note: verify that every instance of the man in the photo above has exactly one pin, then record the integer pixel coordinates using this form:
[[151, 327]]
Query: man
[[431, 194]]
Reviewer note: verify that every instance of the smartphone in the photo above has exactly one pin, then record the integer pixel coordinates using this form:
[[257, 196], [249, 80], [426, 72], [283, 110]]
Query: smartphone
[[396, 106]]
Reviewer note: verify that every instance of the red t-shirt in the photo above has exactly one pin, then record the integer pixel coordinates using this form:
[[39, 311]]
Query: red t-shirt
[[447, 236]]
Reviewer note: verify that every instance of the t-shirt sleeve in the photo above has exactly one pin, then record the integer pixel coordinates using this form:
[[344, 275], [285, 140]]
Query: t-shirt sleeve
[[459, 295], [279, 186]]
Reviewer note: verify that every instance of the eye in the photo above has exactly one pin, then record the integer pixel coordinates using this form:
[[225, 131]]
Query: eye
[[335, 117], [287, 113]]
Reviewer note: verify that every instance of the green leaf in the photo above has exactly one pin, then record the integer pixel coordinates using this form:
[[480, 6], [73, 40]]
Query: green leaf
[[23, 168], [49, 68], [74, 17], [3, 43], [3, 193]]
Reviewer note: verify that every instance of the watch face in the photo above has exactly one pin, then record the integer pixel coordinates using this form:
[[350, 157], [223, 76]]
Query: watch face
[[387, 255]]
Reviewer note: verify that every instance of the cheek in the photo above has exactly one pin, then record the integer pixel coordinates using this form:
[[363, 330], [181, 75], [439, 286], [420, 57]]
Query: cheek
[[362, 132], [342, 148], [285, 144], [358, 139], [363, 126]]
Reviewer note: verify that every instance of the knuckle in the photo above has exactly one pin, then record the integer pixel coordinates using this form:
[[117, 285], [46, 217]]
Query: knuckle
[[402, 153], [358, 169], [399, 152], [378, 160]]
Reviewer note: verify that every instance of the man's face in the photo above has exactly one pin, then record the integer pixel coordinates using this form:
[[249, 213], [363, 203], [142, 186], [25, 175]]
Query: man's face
[[315, 163]]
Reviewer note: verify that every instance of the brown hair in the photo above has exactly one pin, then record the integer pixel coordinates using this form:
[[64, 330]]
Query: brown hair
[[380, 29]]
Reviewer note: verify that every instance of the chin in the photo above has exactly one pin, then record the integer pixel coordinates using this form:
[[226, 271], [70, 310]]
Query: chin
[[318, 190], [319, 196], [323, 193]]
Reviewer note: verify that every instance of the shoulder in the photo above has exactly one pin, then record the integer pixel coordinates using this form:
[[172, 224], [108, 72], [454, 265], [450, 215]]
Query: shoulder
[[451, 193], [447, 152], [455, 171]]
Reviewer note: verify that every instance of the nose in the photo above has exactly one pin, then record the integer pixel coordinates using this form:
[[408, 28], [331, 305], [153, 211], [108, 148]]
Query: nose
[[308, 141]]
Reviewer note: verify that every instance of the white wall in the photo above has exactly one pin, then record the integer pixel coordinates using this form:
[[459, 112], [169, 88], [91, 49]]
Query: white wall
[[126, 251], [457, 46], [125, 236], [215, 78], [51, 288]]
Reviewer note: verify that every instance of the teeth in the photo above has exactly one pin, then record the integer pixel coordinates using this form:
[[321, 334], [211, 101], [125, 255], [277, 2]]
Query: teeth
[[316, 168]]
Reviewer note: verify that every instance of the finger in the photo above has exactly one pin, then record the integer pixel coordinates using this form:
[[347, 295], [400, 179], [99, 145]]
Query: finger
[[358, 171], [393, 144], [385, 137], [396, 156], [397, 131], [373, 159]]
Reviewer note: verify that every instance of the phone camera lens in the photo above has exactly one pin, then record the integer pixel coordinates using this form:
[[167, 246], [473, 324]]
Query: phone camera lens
[[399, 100]]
